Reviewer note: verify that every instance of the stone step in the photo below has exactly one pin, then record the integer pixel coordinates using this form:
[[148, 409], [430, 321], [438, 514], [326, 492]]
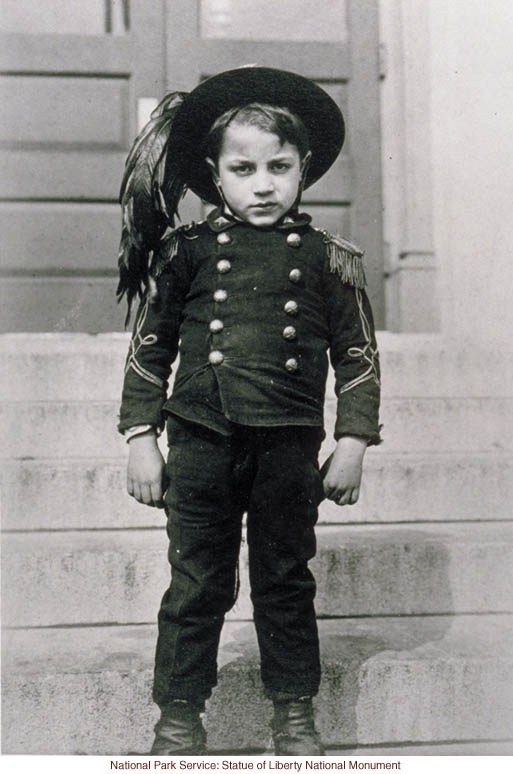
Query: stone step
[[84, 428], [385, 681], [90, 493], [77, 366], [118, 576], [484, 747]]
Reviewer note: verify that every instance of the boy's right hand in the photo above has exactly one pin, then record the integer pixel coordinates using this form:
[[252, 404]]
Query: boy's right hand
[[146, 468]]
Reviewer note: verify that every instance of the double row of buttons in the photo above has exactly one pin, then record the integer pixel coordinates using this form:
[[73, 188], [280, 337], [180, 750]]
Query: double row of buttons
[[290, 308]]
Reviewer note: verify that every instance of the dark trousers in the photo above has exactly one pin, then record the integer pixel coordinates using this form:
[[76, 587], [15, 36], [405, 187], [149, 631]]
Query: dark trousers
[[273, 474]]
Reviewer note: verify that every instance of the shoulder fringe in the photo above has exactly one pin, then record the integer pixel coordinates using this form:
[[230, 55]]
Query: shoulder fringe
[[345, 259]]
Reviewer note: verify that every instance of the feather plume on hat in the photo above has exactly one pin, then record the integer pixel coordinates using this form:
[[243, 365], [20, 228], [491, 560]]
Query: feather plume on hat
[[149, 198]]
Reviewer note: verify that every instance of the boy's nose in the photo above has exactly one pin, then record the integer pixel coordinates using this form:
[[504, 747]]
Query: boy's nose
[[263, 184]]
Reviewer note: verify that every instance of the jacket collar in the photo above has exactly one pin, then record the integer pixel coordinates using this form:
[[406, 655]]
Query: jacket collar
[[221, 221], [218, 221]]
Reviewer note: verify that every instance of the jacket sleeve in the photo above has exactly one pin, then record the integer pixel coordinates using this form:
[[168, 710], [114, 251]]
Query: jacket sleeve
[[355, 360], [154, 345]]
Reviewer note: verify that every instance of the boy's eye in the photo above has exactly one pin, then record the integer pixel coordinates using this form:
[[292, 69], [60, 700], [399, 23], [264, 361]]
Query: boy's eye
[[241, 169], [280, 166]]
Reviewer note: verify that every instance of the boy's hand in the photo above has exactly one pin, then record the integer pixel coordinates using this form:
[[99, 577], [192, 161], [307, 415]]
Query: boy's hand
[[145, 474], [344, 471]]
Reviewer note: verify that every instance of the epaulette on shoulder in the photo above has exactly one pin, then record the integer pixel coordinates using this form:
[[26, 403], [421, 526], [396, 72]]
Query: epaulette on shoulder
[[346, 259], [170, 244]]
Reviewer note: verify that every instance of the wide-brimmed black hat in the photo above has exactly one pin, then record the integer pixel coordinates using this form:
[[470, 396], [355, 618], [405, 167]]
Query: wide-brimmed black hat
[[236, 88]]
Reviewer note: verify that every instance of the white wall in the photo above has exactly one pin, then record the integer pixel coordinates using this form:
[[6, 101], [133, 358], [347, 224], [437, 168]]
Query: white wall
[[411, 287], [447, 113], [472, 166]]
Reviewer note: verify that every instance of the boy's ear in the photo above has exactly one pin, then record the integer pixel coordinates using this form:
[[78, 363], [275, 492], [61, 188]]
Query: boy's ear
[[213, 168]]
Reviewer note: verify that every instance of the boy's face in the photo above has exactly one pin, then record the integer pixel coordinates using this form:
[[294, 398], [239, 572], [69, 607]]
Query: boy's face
[[258, 175]]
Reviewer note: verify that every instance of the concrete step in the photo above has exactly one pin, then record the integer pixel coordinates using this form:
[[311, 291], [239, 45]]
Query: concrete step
[[56, 578], [427, 749], [87, 428], [62, 366], [90, 493], [77, 366], [385, 681]]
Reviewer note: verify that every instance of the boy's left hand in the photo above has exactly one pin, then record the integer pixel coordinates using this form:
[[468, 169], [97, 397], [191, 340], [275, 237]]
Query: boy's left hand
[[342, 478]]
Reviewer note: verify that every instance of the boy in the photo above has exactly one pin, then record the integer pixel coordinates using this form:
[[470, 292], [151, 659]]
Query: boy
[[253, 299]]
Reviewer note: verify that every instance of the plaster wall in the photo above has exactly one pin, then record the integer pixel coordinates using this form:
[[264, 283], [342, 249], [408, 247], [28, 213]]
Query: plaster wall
[[472, 164], [447, 117], [411, 280]]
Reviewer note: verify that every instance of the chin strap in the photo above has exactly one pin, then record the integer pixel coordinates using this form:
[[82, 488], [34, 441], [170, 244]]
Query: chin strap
[[304, 169], [226, 207]]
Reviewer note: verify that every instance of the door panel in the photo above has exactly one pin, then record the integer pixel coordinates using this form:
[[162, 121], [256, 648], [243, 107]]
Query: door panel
[[64, 17], [86, 175], [84, 246], [80, 104], [61, 303], [72, 88], [290, 20], [341, 53]]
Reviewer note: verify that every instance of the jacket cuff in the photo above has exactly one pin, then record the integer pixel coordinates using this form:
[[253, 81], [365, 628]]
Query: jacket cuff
[[131, 432], [358, 413], [136, 415], [372, 440]]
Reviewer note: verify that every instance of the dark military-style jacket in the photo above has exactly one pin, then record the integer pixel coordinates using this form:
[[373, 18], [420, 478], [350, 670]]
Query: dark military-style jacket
[[254, 314]]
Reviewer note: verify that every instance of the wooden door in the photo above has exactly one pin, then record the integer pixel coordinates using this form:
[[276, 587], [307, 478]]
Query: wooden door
[[335, 43], [73, 74]]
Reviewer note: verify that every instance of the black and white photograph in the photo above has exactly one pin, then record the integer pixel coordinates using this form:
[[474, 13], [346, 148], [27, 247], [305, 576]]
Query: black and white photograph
[[256, 325]]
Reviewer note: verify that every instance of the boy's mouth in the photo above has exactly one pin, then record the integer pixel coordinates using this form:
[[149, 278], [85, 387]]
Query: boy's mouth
[[264, 206]]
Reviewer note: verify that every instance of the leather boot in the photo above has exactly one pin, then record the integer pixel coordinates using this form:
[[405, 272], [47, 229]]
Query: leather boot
[[293, 728], [179, 730]]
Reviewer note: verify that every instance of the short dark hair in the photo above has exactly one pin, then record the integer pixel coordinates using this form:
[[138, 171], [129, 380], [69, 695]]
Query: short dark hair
[[270, 118]]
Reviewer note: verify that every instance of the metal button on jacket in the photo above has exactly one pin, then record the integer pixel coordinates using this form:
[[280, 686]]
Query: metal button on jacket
[[291, 365], [295, 275], [215, 357], [223, 238], [216, 326], [220, 296], [289, 332], [223, 266], [291, 308], [294, 240]]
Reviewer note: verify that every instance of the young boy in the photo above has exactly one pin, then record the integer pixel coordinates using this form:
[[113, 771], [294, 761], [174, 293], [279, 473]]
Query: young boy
[[253, 298]]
